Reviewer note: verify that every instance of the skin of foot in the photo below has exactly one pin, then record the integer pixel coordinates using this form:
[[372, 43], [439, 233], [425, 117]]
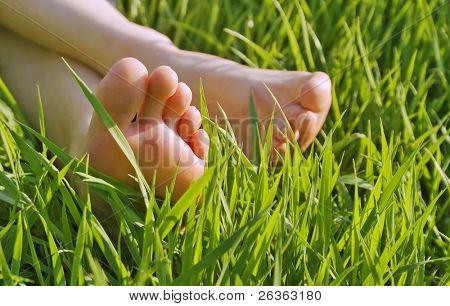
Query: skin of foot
[[162, 128]]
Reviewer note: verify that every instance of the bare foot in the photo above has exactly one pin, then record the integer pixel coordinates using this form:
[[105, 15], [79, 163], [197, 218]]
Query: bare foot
[[154, 113], [304, 97]]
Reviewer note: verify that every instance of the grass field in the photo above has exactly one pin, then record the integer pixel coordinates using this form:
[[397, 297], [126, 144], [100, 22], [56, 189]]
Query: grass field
[[368, 204]]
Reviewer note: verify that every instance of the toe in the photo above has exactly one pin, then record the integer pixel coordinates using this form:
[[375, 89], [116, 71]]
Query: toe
[[308, 126], [315, 102], [162, 84], [177, 104], [315, 94], [189, 122], [279, 130], [304, 123], [122, 91], [292, 112], [199, 142], [281, 147]]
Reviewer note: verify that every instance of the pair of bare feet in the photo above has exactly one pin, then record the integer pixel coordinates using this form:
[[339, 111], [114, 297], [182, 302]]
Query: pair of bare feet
[[166, 134], [155, 114]]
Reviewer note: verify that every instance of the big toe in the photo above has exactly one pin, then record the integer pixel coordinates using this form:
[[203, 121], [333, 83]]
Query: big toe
[[315, 94], [307, 115], [315, 99], [122, 91]]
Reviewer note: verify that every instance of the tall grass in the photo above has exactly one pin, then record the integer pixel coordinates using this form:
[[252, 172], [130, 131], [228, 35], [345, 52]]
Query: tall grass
[[368, 204]]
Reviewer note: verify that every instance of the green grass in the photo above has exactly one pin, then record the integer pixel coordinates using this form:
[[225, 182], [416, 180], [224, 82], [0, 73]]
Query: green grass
[[368, 204]]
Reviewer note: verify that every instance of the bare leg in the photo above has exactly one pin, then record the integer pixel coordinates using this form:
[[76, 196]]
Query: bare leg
[[24, 65], [83, 28], [164, 140]]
